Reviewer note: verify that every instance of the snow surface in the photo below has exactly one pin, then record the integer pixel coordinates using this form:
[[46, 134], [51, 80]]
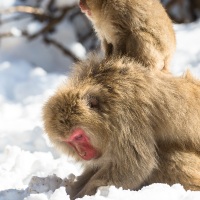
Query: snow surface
[[37, 52], [30, 168]]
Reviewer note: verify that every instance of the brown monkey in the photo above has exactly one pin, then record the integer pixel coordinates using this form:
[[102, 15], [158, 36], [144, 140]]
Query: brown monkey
[[128, 125], [136, 28]]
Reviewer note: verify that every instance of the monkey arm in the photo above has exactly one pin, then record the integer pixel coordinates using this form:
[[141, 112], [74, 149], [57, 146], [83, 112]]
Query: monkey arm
[[80, 183], [90, 180], [119, 172]]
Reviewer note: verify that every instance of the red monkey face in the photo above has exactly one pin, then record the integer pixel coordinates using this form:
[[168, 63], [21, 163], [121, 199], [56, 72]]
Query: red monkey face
[[82, 144]]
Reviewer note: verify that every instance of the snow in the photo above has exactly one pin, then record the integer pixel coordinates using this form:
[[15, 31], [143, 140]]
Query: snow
[[188, 49], [34, 27], [16, 32], [7, 3], [30, 168]]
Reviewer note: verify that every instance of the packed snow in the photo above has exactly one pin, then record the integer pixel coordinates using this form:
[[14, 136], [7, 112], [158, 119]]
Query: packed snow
[[30, 168]]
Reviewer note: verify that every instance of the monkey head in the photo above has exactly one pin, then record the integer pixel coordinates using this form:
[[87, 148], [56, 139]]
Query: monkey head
[[74, 118], [73, 123]]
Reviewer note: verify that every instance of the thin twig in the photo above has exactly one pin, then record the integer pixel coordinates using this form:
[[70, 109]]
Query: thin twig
[[63, 49], [50, 4], [52, 23], [24, 9], [4, 35]]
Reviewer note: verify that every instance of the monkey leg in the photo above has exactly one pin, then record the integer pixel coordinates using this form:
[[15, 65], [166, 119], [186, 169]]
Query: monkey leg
[[176, 166]]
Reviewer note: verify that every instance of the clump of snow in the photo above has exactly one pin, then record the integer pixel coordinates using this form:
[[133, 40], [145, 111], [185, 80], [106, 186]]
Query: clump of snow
[[23, 173], [78, 49], [16, 32], [50, 183], [34, 27], [154, 192]]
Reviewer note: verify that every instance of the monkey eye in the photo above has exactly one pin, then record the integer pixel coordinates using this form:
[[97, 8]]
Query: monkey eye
[[79, 137], [93, 102]]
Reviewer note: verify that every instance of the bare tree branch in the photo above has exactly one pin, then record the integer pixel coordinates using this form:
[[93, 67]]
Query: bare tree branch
[[24, 9], [52, 16], [50, 5], [63, 49], [47, 40], [52, 23], [8, 34]]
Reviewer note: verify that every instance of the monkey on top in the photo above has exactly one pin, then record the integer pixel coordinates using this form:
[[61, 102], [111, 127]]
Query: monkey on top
[[140, 29]]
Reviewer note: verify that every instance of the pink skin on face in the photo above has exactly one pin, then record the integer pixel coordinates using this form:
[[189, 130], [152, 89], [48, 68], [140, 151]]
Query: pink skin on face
[[84, 8], [81, 143]]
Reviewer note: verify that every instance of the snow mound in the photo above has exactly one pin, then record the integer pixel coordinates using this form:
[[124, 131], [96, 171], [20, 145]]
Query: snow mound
[[28, 176]]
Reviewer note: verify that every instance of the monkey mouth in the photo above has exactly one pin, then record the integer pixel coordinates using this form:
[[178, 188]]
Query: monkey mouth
[[82, 145], [86, 152], [82, 153]]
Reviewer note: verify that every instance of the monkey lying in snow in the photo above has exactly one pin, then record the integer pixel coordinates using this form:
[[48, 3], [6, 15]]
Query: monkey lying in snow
[[128, 125], [135, 28]]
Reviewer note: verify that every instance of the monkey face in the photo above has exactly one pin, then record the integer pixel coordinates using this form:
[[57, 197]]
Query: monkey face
[[74, 121], [84, 7], [89, 7]]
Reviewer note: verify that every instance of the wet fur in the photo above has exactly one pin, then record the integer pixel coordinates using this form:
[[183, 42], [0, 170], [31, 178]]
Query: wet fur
[[146, 124]]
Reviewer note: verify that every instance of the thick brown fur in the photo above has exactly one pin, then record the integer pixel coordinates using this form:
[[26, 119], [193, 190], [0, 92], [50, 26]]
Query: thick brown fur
[[145, 124], [137, 28]]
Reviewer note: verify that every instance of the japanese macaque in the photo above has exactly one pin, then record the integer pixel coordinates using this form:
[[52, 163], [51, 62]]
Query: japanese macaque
[[137, 28], [128, 126]]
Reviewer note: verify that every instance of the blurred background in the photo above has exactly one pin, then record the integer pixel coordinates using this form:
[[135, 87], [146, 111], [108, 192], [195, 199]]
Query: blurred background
[[53, 34]]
